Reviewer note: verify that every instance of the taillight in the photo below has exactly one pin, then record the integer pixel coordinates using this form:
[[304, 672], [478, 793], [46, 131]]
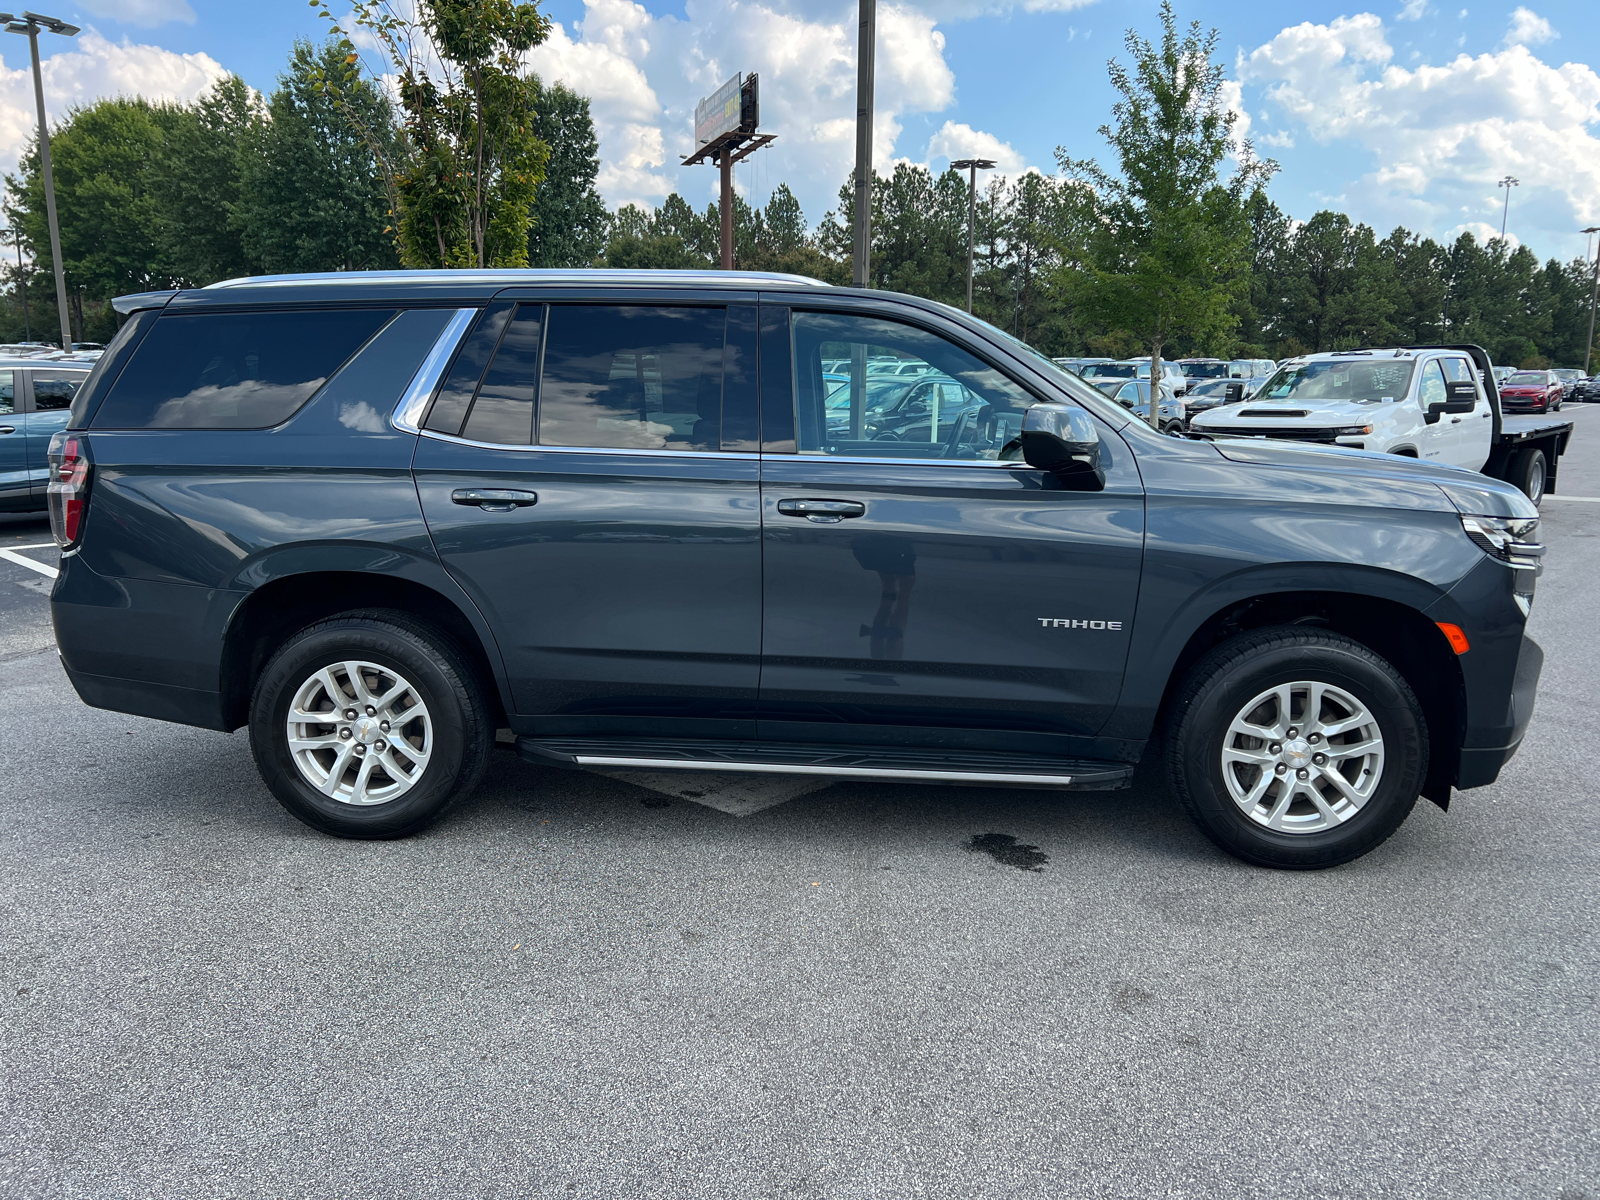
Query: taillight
[[70, 468]]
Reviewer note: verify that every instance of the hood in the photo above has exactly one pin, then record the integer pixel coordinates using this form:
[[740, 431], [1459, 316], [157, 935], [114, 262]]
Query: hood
[[1466, 491], [1269, 413]]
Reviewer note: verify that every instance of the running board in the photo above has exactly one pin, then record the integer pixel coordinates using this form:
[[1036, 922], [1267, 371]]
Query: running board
[[838, 762]]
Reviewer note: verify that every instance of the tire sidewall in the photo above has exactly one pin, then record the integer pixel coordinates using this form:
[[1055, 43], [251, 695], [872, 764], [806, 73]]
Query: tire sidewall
[[1204, 731], [389, 647]]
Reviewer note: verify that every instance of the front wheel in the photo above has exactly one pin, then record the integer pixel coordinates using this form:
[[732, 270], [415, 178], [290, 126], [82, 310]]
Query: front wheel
[[369, 724], [1296, 748], [1529, 472]]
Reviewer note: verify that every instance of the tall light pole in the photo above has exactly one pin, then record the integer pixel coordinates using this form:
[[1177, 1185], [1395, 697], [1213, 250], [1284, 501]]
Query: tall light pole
[[972, 166], [30, 24], [1594, 286], [1508, 183], [862, 274], [22, 283]]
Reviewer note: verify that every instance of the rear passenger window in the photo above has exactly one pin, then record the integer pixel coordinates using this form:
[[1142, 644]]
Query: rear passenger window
[[8, 393], [503, 410], [233, 370], [632, 376], [54, 390]]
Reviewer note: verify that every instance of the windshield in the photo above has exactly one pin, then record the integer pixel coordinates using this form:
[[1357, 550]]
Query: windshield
[[1205, 370], [1527, 379], [1108, 371], [1331, 382]]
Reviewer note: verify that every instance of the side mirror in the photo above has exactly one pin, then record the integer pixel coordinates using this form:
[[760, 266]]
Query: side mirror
[[1234, 393], [1460, 396], [1062, 439]]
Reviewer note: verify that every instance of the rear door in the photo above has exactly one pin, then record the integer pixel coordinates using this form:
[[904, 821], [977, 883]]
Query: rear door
[[51, 393], [595, 492], [927, 591]]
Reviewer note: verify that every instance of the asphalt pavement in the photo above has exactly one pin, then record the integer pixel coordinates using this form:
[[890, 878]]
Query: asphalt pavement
[[581, 986]]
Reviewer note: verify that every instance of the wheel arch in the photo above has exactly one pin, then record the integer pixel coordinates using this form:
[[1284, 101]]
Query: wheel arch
[[1393, 627], [284, 604]]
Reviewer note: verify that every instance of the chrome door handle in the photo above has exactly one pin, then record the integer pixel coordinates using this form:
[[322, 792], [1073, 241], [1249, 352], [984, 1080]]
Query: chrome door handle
[[1455, 420], [822, 512], [8, 428], [494, 499]]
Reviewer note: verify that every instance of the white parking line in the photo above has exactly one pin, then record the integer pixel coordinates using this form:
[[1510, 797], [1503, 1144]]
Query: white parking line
[[40, 567], [1579, 499], [34, 546]]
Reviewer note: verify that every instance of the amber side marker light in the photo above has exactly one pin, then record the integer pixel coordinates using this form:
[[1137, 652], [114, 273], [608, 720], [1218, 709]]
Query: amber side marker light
[[1457, 639]]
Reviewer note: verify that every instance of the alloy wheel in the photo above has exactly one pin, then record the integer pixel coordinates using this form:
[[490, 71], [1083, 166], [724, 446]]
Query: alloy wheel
[[359, 732]]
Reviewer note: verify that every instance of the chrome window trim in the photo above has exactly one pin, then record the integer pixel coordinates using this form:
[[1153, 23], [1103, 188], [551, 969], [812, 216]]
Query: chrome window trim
[[818, 456], [414, 402], [632, 451]]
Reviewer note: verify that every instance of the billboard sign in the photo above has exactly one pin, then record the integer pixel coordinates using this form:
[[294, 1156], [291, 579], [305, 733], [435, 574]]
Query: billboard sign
[[718, 113]]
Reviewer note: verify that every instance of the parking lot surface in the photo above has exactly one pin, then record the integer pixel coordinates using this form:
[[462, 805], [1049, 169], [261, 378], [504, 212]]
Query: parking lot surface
[[581, 986]]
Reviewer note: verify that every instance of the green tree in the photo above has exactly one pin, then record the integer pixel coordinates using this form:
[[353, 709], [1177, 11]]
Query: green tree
[[471, 161], [1167, 253], [568, 224], [314, 197], [200, 184]]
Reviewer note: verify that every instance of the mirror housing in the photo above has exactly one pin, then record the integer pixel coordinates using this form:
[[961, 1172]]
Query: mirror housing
[[1062, 439], [1460, 396], [1233, 393]]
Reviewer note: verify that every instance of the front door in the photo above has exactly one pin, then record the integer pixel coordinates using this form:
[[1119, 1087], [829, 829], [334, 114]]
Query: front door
[[924, 589], [580, 491]]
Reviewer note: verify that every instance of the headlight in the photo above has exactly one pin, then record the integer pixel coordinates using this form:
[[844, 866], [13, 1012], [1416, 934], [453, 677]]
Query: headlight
[[1352, 431], [1510, 539]]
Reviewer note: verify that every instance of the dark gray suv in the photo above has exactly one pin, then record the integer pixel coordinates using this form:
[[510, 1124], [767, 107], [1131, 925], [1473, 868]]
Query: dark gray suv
[[646, 520]]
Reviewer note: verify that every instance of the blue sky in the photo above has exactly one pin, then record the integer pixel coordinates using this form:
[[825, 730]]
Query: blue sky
[[1403, 112]]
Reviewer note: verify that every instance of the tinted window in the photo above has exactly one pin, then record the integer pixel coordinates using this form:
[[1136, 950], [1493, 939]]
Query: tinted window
[[632, 377], [8, 393], [232, 370], [939, 402], [1432, 389], [449, 411], [503, 410], [54, 390]]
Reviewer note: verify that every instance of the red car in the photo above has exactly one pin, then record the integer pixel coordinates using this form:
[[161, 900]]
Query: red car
[[1531, 391]]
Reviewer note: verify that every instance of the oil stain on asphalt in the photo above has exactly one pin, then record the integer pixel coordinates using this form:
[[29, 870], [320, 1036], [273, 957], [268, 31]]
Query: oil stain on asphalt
[[1007, 851]]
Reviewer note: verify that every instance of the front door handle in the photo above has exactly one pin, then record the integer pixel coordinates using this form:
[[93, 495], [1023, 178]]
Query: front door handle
[[494, 499], [8, 428], [822, 512]]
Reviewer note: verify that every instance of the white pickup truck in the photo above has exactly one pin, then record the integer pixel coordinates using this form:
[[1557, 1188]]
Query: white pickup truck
[[1437, 403]]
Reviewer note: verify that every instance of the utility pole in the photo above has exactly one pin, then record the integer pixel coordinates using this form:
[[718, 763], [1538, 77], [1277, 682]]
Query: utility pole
[[862, 259], [1508, 183], [1594, 286], [30, 24], [22, 283], [972, 166]]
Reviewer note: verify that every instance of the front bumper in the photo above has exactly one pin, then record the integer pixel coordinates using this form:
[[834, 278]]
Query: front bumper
[[1480, 765]]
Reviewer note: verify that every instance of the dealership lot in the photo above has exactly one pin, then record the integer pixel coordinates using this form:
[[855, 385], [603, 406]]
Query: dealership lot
[[585, 986]]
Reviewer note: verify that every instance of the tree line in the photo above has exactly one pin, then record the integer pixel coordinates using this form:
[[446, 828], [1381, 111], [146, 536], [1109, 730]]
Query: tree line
[[1172, 246]]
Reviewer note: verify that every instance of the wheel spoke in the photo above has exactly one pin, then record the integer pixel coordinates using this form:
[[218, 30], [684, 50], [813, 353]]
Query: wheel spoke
[[358, 685], [336, 772], [332, 741], [1355, 749], [1344, 787], [1323, 807], [358, 791], [1281, 807], [1258, 758]]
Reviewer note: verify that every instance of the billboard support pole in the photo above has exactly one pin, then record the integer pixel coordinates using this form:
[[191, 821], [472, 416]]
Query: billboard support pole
[[726, 163], [862, 265]]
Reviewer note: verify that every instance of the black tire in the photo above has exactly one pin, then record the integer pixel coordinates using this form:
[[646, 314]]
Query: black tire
[[1228, 678], [461, 717], [1528, 472]]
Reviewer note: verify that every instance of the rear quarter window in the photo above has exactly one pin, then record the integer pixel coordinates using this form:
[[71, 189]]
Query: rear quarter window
[[233, 370]]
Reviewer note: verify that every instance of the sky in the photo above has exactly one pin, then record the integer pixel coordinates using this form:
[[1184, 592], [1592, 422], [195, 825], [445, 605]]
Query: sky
[[1404, 112]]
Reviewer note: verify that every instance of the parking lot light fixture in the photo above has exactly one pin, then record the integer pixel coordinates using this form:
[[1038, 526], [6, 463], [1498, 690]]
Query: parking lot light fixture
[[972, 166], [1509, 182], [30, 24]]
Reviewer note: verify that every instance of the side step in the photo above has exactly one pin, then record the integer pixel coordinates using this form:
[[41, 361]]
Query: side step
[[914, 765]]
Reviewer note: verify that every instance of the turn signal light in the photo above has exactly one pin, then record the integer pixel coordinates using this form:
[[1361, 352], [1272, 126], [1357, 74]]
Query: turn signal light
[[1457, 639]]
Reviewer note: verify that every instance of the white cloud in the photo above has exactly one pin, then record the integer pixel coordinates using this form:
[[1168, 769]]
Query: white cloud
[[1482, 231], [956, 141], [144, 13], [645, 73], [91, 69], [1412, 10], [1439, 136], [1528, 28]]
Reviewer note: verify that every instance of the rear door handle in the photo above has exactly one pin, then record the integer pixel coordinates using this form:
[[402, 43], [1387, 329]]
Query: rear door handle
[[494, 499], [822, 512], [8, 428]]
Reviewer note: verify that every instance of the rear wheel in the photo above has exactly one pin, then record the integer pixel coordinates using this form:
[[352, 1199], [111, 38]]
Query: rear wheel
[[369, 724], [1297, 749], [1528, 471]]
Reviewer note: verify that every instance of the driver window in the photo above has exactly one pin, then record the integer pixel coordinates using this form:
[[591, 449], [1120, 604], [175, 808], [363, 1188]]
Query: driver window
[[1432, 389], [870, 388], [1458, 370]]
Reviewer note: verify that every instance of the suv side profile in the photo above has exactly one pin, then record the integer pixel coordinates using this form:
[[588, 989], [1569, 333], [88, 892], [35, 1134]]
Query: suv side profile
[[645, 519]]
